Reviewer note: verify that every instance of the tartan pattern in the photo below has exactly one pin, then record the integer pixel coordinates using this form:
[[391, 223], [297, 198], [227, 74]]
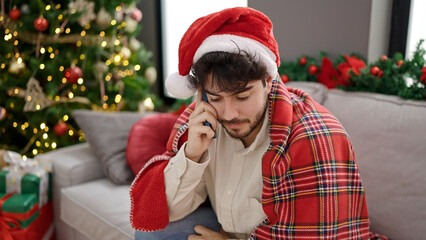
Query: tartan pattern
[[311, 184]]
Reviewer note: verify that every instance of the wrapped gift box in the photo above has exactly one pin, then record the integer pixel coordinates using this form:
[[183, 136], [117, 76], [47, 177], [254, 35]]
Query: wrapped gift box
[[19, 209], [40, 229], [36, 181]]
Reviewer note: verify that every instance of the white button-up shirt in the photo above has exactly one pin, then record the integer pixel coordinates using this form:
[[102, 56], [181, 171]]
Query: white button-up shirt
[[230, 174]]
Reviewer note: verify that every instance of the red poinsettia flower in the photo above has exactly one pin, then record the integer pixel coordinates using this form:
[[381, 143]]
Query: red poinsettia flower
[[352, 63], [423, 77], [328, 75]]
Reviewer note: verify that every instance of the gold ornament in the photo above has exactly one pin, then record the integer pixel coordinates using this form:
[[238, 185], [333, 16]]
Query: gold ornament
[[16, 66], [86, 8], [131, 25], [151, 75], [125, 52], [104, 18], [134, 44]]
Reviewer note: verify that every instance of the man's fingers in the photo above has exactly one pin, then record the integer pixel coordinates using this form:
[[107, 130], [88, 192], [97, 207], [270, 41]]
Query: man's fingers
[[199, 98], [194, 237], [201, 230]]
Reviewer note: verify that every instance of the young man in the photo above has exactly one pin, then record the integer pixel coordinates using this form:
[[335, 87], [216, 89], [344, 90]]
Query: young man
[[274, 163]]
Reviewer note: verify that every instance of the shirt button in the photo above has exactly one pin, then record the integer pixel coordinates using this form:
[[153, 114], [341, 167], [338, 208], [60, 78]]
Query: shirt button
[[229, 191]]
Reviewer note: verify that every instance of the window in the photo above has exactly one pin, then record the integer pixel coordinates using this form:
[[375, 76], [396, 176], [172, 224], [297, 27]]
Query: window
[[176, 17], [416, 26]]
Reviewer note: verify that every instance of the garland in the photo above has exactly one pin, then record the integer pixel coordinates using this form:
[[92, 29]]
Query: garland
[[33, 38], [387, 75]]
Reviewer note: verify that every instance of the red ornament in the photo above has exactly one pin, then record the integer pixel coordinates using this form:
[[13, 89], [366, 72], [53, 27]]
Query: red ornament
[[375, 71], [72, 74], [60, 129], [399, 63], [312, 69], [302, 61], [285, 78], [384, 58], [41, 24], [136, 15], [423, 76], [15, 14]]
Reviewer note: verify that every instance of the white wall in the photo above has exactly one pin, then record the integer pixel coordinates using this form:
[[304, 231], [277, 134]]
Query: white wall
[[334, 26]]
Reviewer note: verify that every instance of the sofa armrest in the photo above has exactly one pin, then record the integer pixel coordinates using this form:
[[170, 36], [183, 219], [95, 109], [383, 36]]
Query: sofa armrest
[[74, 165]]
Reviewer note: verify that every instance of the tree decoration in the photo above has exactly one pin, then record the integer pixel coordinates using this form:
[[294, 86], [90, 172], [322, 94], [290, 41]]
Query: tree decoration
[[387, 75], [2, 113], [85, 8], [36, 54], [41, 24], [131, 25], [35, 99], [16, 66], [134, 44], [151, 75], [103, 19], [25, 9], [136, 15], [15, 14], [73, 73], [125, 52], [60, 129]]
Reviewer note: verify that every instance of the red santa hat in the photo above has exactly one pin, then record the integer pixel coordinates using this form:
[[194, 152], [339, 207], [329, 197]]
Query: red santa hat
[[229, 30]]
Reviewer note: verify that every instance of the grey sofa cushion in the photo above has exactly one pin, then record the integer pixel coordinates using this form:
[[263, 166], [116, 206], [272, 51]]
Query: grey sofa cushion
[[317, 91], [388, 135], [107, 134]]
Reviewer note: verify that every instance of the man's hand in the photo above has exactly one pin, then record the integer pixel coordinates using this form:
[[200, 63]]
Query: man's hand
[[200, 136], [205, 233]]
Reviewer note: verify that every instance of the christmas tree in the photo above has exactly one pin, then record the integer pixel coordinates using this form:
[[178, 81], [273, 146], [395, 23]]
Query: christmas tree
[[57, 56]]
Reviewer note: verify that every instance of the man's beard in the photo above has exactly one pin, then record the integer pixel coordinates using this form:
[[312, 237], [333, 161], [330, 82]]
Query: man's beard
[[242, 135]]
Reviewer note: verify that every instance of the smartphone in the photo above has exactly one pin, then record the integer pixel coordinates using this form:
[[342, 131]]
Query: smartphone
[[206, 123]]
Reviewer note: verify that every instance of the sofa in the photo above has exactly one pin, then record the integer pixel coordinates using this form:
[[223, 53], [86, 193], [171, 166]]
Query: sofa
[[388, 136]]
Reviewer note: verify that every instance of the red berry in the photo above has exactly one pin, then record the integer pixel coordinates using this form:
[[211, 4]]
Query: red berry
[[41, 24], [285, 78], [399, 63], [302, 61], [384, 58], [15, 14], [312, 69], [72, 74], [375, 70], [60, 128]]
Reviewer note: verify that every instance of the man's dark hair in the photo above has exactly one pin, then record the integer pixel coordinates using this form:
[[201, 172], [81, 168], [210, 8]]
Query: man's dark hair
[[230, 72]]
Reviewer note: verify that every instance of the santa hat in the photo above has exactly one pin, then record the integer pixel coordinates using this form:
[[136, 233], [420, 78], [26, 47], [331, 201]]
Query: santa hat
[[229, 30]]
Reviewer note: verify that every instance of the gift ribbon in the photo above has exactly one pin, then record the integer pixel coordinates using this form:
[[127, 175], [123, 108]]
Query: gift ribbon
[[4, 226]]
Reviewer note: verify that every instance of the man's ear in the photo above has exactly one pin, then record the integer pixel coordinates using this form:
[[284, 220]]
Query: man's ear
[[268, 82]]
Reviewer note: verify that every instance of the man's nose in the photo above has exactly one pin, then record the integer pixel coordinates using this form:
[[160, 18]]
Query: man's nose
[[230, 111]]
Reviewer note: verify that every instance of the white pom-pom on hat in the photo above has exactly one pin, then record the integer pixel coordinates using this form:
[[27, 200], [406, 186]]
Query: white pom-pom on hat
[[178, 86]]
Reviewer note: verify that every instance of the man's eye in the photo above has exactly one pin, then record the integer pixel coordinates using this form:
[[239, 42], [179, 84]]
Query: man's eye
[[214, 99], [242, 98]]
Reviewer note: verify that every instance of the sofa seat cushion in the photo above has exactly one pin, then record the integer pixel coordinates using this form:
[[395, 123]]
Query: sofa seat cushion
[[388, 136], [98, 209]]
